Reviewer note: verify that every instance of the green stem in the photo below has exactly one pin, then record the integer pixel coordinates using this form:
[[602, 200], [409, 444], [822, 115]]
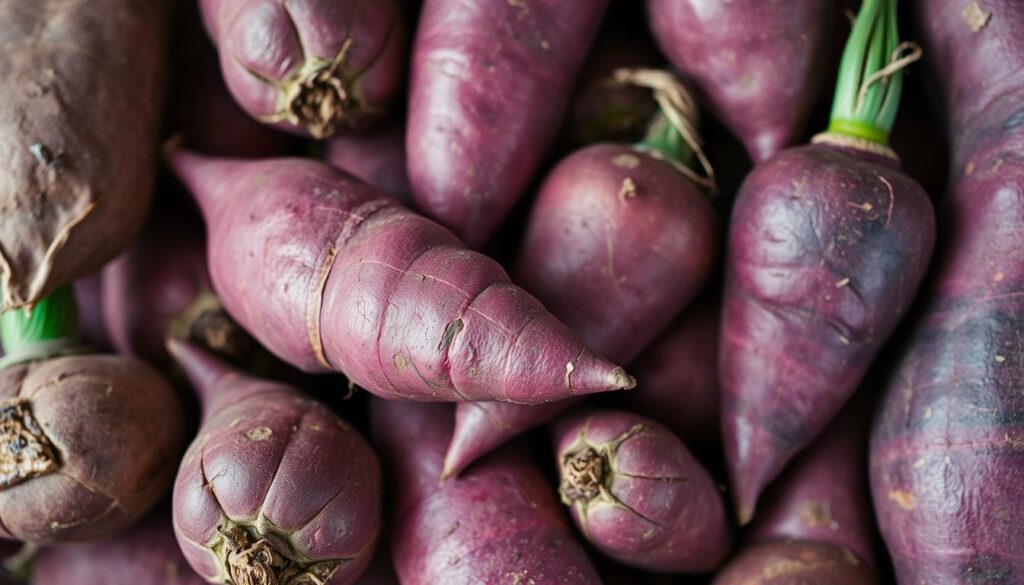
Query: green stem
[[868, 113], [663, 137], [53, 320]]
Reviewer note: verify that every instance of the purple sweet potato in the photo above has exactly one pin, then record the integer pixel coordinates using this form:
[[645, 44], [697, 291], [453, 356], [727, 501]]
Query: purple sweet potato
[[88, 442], [146, 554], [795, 563], [677, 377], [378, 159], [827, 246], [947, 446], [312, 67], [160, 288], [275, 488], [79, 122], [329, 273], [490, 82], [758, 64], [638, 494], [201, 111], [497, 523], [636, 240]]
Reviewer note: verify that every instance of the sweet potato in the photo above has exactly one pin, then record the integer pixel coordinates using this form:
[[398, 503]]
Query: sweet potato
[[275, 488], [83, 85], [313, 67], [87, 442], [497, 523], [378, 159], [827, 246], [637, 493], [160, 288], [490, 82], [146, 554], [604, 209], [758, 64], [329, 273], [946, 449], [795, 563]]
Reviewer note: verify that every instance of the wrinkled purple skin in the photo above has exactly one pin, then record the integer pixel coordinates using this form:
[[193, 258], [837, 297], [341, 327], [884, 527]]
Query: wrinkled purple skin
[[823, 496], [201, 111], [265, 45], [627, 262], [490, 83], [947, 445], [498, 523], [796, 563], [658, 509], [266, 455], [757, 64], [827, 247], [677, 377], [146, 554], [377, 159], [329, 273], [88, 293]]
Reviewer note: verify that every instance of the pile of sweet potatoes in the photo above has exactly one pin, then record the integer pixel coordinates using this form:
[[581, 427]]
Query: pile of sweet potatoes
[[331, 292]]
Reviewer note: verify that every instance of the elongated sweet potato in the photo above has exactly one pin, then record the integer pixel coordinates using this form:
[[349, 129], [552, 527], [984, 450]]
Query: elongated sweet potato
[[637, 493], [88, 442], [328, 273], [947, 446], [759, 64], [498, 523], [83, 83], [795, 563], [312, 67], [827, 246], [490, 82], [378, 159], [587, 255], [275, 488], [146, 554]]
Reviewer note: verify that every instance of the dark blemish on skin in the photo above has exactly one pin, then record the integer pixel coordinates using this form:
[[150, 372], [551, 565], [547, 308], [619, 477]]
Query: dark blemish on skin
[[450, 332], [45, 156], [1014, 121]]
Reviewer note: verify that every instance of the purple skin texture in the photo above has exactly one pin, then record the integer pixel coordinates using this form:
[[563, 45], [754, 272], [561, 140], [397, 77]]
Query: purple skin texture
[[947, 445], [827, 247], [201, 111], [757, 64], [635, 240], [637, 493], [795, 563], [377, 159], [146, 554], [115, 430], [312, 67], [329, 273], [160, 288], [490, 83], [823, 496], [497, 523], [275, 487], [677, 377]]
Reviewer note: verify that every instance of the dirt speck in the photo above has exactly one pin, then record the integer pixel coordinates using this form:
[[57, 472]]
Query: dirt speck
[[905, 499], [975, 16], [258, 434]]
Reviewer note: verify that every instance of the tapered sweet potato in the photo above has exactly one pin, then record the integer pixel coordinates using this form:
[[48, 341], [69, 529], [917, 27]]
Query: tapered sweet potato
[[88, 442], [275, 488], [827, 246], [490, 82], [146, 554], [378, 159], [946, 449], [312, 67], [758, 64], [635, 240], [498, 523], [328, 273], [83, 82], [160, 288], [637, 493]]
